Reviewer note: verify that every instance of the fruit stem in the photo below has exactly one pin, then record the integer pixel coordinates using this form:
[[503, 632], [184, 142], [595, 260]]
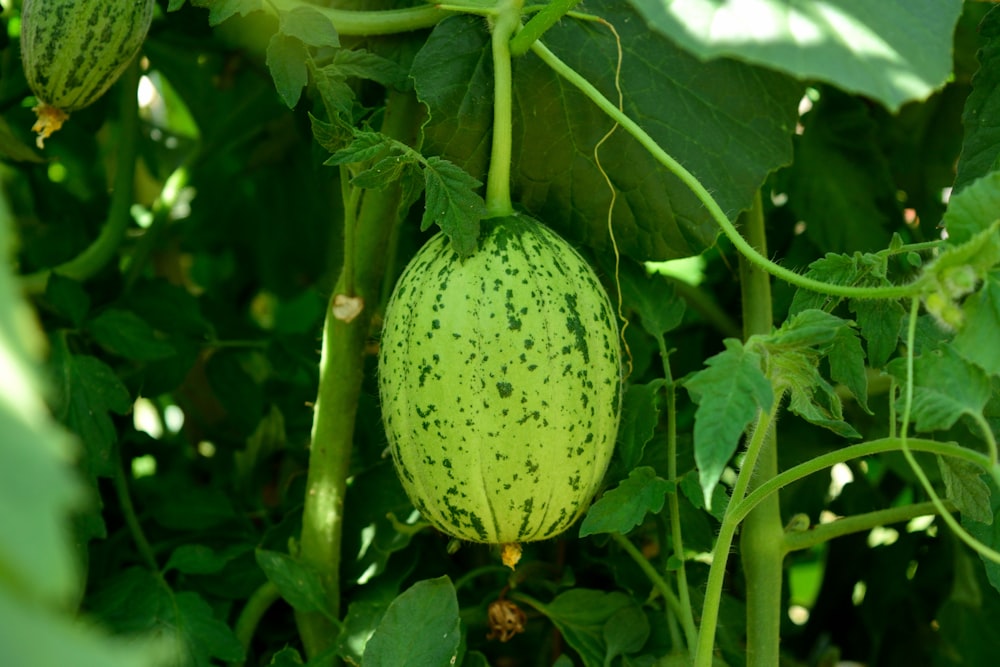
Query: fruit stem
[[539, 23], [506, 22], [342, 367], [366, 23]]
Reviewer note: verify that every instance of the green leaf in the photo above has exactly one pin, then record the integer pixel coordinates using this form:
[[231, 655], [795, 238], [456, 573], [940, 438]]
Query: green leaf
[[67, 297], [286, 657], [624, 507], [977, 340], [946, 386], [582, 615], [364, 64], [880, 323], [728, 123], [841, 187], [452, 203], [309, 26], [989, 534], [87, 390], [640, 415], [286, 60], [421, 627], [124, 333], [653, 297], [201, 559], [964, 486], [847, 365], [625, 632], [973, 209], [895, 51], [981, 146], [298, 583], [220, 10], [729, 392]]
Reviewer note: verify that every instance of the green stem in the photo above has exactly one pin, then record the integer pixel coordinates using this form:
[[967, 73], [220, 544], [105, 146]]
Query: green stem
[[255, 608], [120, 483], [162, 213], [761, 538], [498, 179], [724, 542], [367, 23], [974, 544], [104, 247], [824, 532], [762, 492], [341, 373], [673, 503], [659, 583], [745, 249], [539, 24]]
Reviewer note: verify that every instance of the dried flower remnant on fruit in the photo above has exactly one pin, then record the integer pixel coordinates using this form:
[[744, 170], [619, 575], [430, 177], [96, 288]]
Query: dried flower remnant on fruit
[[506, 619]]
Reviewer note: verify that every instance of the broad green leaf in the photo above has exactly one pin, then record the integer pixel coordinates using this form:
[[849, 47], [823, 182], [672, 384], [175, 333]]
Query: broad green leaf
[[364, 145], [137, 602], [981, 147], [895, 51], [364, 64], [87, 390], [810, 395], [807, 329], [841, 187], [452, 203], [640, 415], [308, 26], [726, 122], [973, 209], [989, 534], [833, 268], [581, 615], [201, 559], [67, 297], [298, 583], [624, 507], [421, 627], [946, 386], [286, 60], [880, 323], [286, 657], [847, 365], [124, 333], [220, 10], [625, 632], [977, 340], [660, 309], [729, 392], [964, 486], [363, 616]]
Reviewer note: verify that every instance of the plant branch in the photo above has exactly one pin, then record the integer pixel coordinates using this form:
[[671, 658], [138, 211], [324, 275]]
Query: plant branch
[[824, 532], [659, 583], [96, 256], [255, 608], [547, 17], [673, 503], [341, 373], [367, 23], [745, 249], [120, 483]]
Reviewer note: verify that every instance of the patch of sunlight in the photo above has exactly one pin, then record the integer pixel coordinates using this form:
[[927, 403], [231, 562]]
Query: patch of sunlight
[[880, 536], [146, 418], [690, 270], [143, 466]]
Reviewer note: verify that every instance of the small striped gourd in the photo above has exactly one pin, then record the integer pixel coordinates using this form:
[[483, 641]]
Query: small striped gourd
[[500, 384], [74, 50]]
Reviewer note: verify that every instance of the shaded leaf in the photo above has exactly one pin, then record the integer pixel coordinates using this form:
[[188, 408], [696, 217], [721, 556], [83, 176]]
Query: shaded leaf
[[421, 627], [201, 559], [640, 415], [624, 507], [981, 146], [973, 209], [964, 486], [286, 60], [309, 26], [124, 333], [945, 387], [299, 584], [581, 615], [654, 298], [625, 632], [895, 51], [977, 340], [67, 297], [847, 365], [728, 123], [988, 534], [729, 392]]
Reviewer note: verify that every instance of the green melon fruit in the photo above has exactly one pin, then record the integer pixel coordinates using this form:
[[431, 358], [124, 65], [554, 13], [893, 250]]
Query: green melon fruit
[[73, 50], [500, 382]]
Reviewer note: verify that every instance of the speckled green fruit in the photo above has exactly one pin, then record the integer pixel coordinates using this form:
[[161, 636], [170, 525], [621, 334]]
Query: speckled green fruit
[[500, 382], [74, 50]]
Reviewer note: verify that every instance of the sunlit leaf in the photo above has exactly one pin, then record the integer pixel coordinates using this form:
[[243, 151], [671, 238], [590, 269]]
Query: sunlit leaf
[[420, 627], [624, 507]]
